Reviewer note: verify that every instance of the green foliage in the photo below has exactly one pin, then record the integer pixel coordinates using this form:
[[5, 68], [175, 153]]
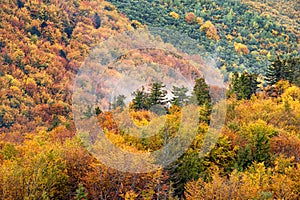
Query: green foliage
[[9, 151], [140, 100], [179, 175], [119, 102], [157, 95], [180, 97], [201, 93], [81, 193], [284, 69], [257, 149], [244, 85], [42, 46], [222, 156], [235, 21], [154, 100]]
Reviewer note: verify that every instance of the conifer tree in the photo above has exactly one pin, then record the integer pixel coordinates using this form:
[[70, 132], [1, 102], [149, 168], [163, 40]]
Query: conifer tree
[[157, 94], [97, 21], [180, 97], [201, 93], [275, 71], [119, 102], [244, 85], [284, 69], [140, 100]]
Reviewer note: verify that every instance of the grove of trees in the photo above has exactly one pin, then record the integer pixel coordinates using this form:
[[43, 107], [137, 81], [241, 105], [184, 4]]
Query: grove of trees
[[257, 156]]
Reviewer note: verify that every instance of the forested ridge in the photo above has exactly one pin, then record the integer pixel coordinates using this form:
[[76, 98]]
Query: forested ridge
[[240, 37], [42, 46]]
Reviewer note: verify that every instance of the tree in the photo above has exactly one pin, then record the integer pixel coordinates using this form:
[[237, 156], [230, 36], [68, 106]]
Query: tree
[[244, 85], [140, 100], [284, 69], [258, 136], [81, 193], [119, 102], [97, 21], [201, 93], [157, 97], [190, 18], [275, 71], [20, 4], [180, 97]]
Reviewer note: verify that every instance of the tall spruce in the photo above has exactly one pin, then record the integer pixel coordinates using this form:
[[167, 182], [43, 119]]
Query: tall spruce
[[275, 71], [96, 21], [244, 85], [139, 101], [119, 102], [201, 93], [180, 97], [157, 94], [286, 68]]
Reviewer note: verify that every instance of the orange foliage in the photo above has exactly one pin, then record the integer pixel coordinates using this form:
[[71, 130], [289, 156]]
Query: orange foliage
[[190, 18]]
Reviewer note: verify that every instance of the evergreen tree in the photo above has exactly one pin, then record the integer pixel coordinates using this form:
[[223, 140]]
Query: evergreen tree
[[201, 93], [20, 4], [97, 21], [293, 71], [275, 71], [98, 111], [180, 97], [244, 85], [284, 69], [119, 102], [157, 94], [140, 100]]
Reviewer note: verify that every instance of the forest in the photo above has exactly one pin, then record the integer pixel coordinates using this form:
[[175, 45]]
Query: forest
[[255, 46]]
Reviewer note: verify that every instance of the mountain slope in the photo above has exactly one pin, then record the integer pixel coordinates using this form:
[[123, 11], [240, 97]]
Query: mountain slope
[[42, 45], [238, 26]]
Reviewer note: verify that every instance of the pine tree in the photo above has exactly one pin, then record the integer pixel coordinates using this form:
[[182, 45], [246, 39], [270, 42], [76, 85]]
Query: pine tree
[[284, 69], [140, 100], [243, 85], [275, 71], [293, 73], [180, 97], [97, 21], [20, 4], [157, 98], [119, 102], [201, 93], [157, 94]]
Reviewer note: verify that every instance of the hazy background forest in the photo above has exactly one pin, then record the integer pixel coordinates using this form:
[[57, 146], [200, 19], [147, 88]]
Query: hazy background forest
[[254, 44]]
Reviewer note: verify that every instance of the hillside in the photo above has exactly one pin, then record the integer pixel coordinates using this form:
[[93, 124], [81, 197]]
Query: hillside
[[238, 26], [42, 47], [45, 44]]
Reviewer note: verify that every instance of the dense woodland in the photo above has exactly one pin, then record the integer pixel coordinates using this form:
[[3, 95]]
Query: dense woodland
[[42, 46], [239, 36]]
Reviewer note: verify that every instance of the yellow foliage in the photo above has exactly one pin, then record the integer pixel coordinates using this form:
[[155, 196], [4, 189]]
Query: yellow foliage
[[137, 24], [292, 93], [174, 15], [210, 30], [241, 48], [252, 184], [206, 25], [229, 37], [130, 195], [200, 21]]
